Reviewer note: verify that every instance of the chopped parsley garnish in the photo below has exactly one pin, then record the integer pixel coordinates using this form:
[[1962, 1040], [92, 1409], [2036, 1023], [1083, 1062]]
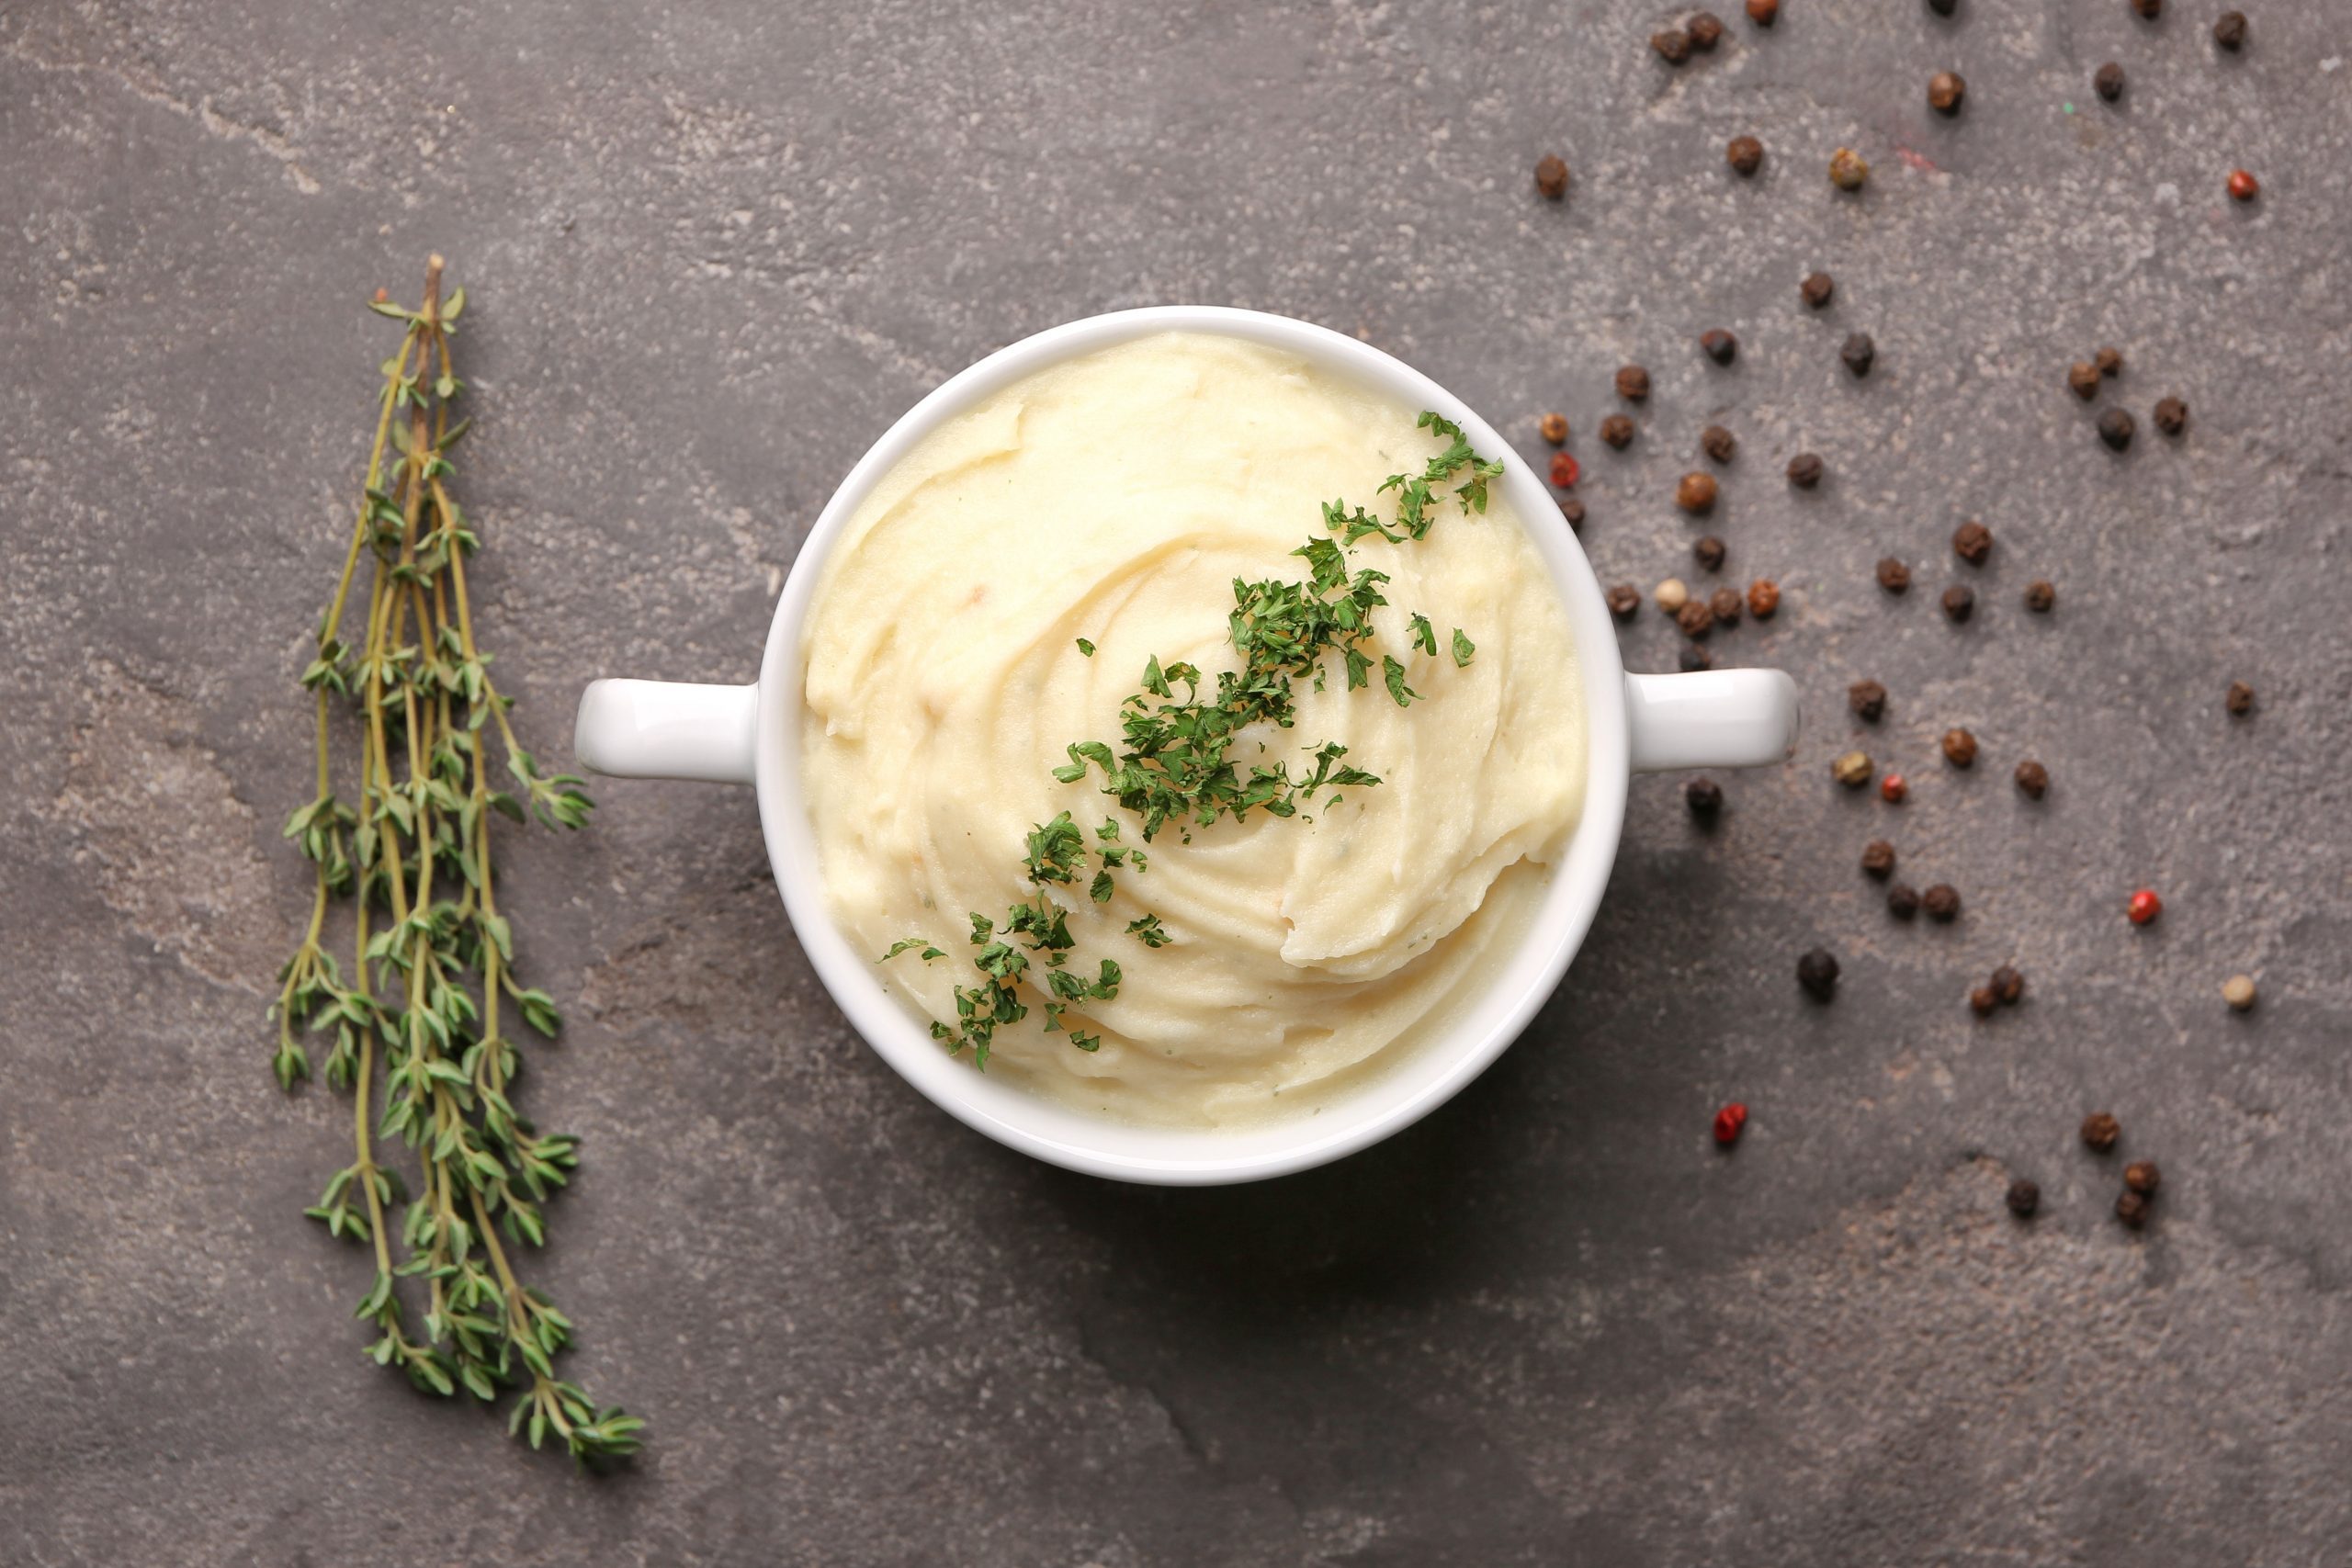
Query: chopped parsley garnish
[[1085, 648], [1423, 636], [1462, 648]]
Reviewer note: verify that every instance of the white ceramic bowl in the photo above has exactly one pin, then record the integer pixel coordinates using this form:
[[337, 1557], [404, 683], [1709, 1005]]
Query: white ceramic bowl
[[752, 734]]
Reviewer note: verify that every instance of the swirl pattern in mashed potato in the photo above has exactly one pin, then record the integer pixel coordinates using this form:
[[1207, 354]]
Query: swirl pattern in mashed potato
[[1116, 498]]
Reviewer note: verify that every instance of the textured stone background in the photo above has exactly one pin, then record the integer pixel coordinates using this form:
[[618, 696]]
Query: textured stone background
[[713, 251]]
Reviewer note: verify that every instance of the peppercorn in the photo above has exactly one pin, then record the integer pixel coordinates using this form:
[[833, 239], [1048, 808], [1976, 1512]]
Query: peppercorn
[[2243, 187], [1763, 13], [2239, 699], [1703, 796], [1960, 601], [1763, 598], [1893, 788], [2023, 1199], [2100, 1129], [1894, 576], [2229, 30], [1725, 605], [2115, 427], [1633, 383], [1942, 8], [1553, 428], [1623, 601], [1718, 443], [2008, 984], [2107, 82], [2039, 595], [1960, 748], [1704, 30], [1804, 470], [1550, 178], [1982, 1002], [2238, 991], [1728, 1121], [1945, 90], [2110, 361], [1858, 351], [1868, 699], [2142, 907], [1672, 595], [2149, 10], [2171, 416], [1878, 859], [1719, 345], [1673, 45], [1616, 432], [1847, 170], [1745, 153], [1696, 492], [1942, 901], [2143, 1176], [1902, 900], [1708, 551], [2132, 1208], [1817, 973], [2083, 376], [1565, 471], [1818, 290], [1694, 657], [1851, 769], [1695, 619], [2034, 779], [1572, 513], [1972, 542]]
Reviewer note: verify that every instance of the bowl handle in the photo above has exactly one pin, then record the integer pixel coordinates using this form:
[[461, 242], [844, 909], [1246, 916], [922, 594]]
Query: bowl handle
[[1711, 719], [665, 729]]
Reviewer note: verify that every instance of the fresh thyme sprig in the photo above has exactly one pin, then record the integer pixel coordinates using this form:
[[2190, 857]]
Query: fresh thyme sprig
[[1177, 764], [433, 959]]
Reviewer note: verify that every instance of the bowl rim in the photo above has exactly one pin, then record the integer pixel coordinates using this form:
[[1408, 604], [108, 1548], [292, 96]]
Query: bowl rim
[[1438, 1069]]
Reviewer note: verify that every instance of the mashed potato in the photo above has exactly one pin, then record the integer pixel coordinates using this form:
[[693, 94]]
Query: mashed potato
[[1116, 498]]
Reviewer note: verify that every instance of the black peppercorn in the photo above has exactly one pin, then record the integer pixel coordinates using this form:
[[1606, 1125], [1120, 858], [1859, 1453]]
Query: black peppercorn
[[1942, 901], [2148, 10], [1725, 605], [1818, 290], [2132, 1208], [2008, 984], [1633, 383], [2034, 779], [1704, 30], [1696, 658], [2024, 1199], [1695, 619], [1982, 1002], [1718, 443], [1960, 748], [1868, 699], [1878, 859], [1745, 153], [2229, 29], [2143, 1176], [1817, 973], [2083, 376], [1709, 552], [2107, 82], [1894, 576], [2115, 427], [1719, 345], [2100, 1129], [1902, 900], [1703, 796], [1617, 431], [2239, 700], [1804, 470], [1972, 542], [1945, 91], [2171, 416], [1550, 178], [1858, 351], [1572, 513], [2110, 361], [2039, 595], [1624, 600], [1942, 8], [1960, 601], [1673, 45]]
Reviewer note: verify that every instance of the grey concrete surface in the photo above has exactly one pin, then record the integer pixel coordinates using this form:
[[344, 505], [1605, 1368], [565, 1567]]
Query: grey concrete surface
[[712, 250]]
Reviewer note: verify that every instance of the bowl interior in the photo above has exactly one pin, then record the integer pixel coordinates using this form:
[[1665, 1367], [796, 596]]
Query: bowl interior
[[1481, 1029]]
